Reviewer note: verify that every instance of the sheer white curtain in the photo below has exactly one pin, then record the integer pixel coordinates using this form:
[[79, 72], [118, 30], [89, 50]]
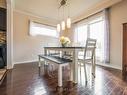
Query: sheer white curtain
[[97, 32], [106, 36], [96, 27], [81, 33]]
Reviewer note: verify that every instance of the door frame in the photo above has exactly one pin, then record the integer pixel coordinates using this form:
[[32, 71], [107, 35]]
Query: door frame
[[9, 6]]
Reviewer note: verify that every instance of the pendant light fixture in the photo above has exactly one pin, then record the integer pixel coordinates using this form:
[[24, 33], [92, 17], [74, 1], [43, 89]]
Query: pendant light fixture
[[68, 23], [58, 27], [68, 19], [64, 4], [63, 25]]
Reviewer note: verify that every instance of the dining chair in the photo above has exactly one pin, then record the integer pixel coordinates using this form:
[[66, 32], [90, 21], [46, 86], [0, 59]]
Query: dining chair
[[53, 52], [88, 56]]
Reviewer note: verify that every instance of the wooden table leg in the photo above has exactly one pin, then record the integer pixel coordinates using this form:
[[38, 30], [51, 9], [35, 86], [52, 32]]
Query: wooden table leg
[[39, 64]]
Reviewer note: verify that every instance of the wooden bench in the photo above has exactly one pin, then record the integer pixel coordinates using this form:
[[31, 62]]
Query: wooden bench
[[55, 60]]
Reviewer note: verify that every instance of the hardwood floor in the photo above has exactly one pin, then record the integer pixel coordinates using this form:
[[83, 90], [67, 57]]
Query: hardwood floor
[[24, 80]]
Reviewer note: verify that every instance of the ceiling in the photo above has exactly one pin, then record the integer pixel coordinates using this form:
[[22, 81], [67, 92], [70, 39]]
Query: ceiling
[[49, 8]]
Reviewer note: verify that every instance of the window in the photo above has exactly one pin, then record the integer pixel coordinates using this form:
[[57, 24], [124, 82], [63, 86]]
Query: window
[[81, 34], [96, 30], [41, 29], [92, 28]]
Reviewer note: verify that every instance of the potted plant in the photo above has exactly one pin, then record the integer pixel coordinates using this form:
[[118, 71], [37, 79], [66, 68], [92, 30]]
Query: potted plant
[[65, 41]]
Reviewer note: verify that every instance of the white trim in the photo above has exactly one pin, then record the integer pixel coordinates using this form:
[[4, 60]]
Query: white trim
[[23, 62], [9, 34], [101, 64], [33, 15], [109, 65]]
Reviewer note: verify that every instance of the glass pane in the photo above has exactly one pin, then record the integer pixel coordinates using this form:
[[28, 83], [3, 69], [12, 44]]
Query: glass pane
[[81, 33], [40, 29], [97, 32]]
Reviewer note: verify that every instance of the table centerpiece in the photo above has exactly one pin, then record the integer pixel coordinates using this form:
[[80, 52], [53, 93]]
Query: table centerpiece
[[65, 41]]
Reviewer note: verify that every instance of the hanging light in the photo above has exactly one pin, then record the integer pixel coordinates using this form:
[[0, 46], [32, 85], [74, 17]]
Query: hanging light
[[68, 19], [63, 25], [68, 23], [58, 27]]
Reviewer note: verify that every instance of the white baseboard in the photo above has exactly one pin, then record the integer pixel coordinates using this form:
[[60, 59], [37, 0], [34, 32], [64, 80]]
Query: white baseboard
[[23, 62], [109, 65], [101, 64]]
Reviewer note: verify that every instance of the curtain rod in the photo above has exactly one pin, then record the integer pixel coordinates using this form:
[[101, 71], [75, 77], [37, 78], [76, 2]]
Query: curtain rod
[[88, 17]]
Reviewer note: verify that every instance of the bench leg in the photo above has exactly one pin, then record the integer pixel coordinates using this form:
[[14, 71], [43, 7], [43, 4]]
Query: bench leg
[[93, 66], [60, 76], [71, 71], [39, 65], [43, 67], [85, 71]]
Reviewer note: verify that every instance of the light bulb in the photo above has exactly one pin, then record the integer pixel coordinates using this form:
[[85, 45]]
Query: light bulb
[[58, 27], [68, 23], [63, 25]]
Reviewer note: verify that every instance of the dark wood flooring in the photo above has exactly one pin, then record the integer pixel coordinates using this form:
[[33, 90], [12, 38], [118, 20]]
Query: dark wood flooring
[[24, 80]]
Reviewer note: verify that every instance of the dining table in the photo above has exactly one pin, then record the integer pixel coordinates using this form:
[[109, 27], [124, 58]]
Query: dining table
[[74, 65]]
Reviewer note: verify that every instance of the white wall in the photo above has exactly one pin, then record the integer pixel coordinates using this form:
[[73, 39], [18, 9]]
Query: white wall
[[118, 16], [26, 47]]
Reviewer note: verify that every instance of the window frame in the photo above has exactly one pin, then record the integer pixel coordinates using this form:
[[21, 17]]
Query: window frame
[[45, 26], [88, 23]]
